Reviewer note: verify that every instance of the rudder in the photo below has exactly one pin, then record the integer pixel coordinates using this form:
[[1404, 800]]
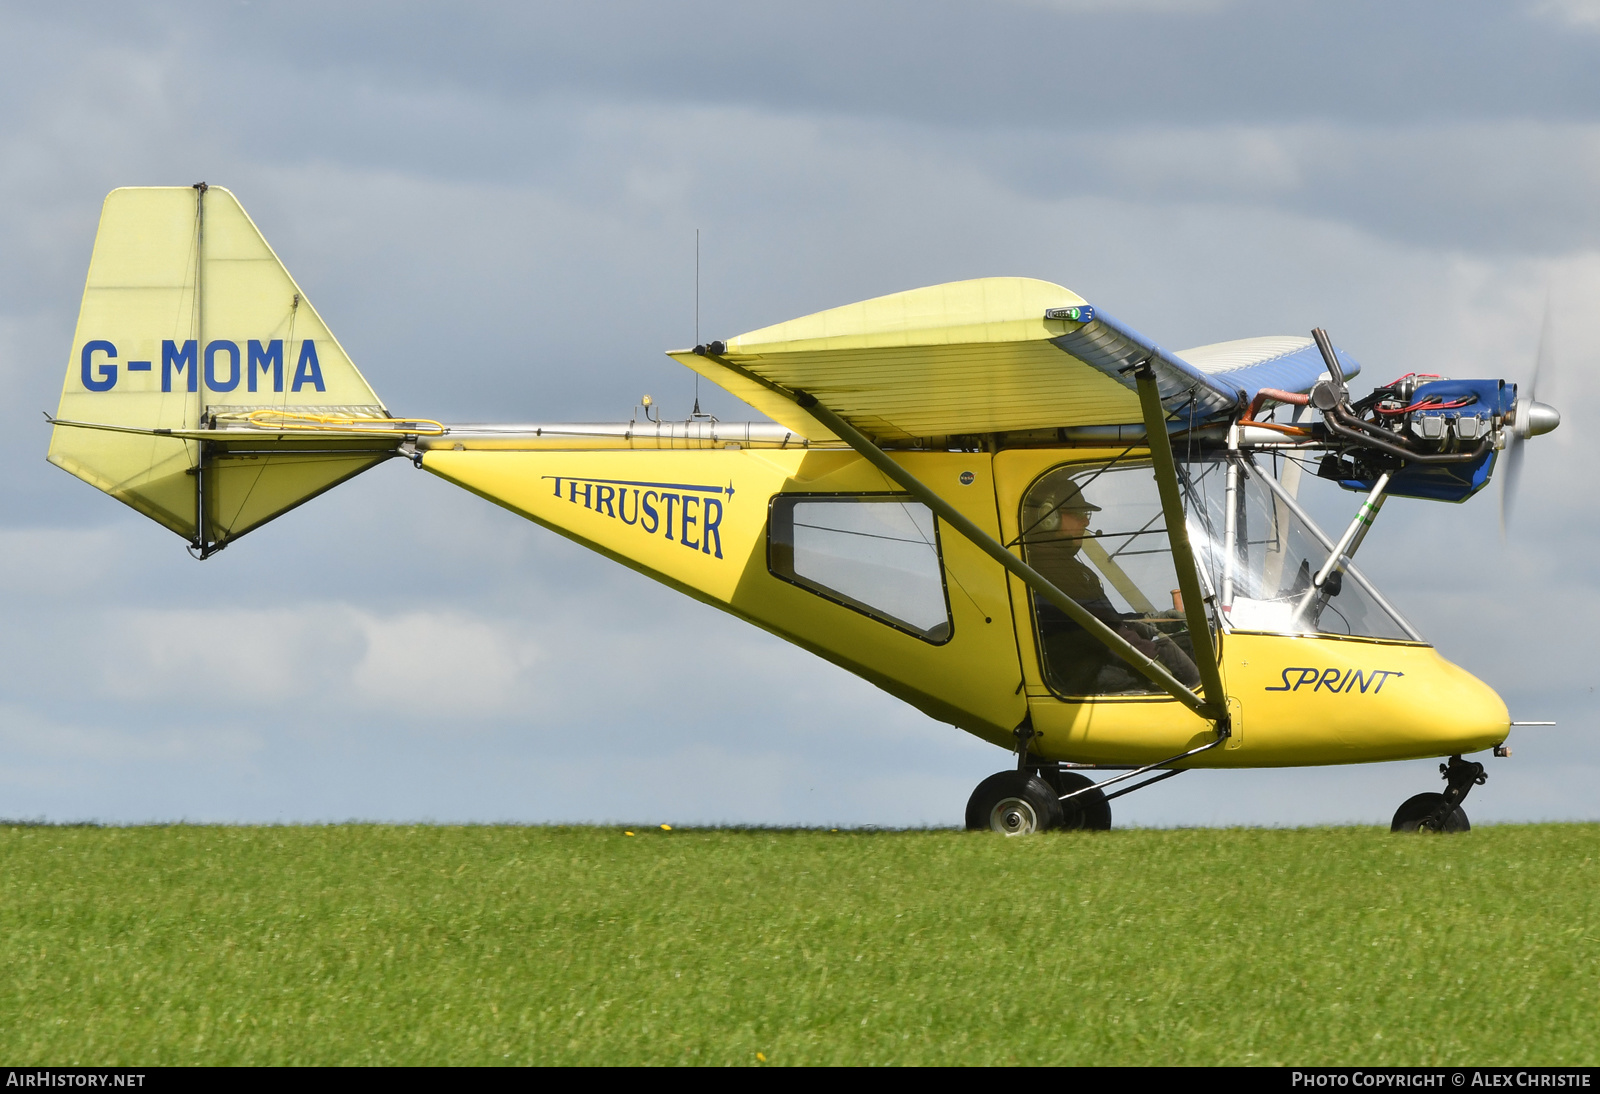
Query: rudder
[[190, 324]]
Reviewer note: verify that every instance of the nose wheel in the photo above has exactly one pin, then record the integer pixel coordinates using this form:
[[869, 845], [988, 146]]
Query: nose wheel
[[1441, 812], [1419, 813]]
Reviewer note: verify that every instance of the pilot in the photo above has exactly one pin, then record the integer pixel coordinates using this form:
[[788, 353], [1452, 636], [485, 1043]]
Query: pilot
[[1056, 519]]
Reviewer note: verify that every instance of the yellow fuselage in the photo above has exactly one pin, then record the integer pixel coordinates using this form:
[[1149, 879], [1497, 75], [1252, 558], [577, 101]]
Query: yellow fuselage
[[698, 521]]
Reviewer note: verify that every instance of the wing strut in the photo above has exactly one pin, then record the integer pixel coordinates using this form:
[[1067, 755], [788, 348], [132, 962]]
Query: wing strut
[[1194, 605], [1213, 709]]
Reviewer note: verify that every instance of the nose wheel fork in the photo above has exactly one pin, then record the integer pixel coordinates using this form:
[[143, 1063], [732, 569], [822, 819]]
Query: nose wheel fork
[[1442, 812]]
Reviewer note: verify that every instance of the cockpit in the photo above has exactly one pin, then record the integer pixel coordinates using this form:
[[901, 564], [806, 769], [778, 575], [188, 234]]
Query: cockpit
[[1097, 531]]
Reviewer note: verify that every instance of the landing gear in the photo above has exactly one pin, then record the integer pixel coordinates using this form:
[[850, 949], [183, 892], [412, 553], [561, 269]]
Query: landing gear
[[1418, 815], [1013, 803], [1089, 811], [1041, 794], [1018, 803], [1441, 812]]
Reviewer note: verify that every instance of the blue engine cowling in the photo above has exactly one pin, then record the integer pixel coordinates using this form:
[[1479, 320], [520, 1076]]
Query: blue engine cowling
[[1432, 422]]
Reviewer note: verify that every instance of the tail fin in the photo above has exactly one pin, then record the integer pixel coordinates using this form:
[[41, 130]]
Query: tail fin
[[190, 323]]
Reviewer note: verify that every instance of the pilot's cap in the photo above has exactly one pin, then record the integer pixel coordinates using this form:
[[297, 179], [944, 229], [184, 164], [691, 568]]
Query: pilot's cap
[[1064, 496]]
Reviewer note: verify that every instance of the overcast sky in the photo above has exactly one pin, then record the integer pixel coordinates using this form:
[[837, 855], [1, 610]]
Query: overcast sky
[[494, 207]]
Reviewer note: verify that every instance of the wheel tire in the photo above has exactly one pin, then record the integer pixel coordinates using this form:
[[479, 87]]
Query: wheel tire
[[1410, 816], [1089, 812], [1013, 803]]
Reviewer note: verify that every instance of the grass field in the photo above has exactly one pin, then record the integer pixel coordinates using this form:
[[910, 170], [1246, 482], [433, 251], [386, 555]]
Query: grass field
[[434, 945]]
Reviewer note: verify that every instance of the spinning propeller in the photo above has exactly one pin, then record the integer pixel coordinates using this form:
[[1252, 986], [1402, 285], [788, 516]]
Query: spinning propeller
[[1529, 418]]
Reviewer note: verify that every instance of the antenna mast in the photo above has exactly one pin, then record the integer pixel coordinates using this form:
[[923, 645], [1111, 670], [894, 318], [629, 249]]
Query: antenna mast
[[696, 412]]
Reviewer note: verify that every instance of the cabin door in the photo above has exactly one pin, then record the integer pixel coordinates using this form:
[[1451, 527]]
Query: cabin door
[[1091, 521]]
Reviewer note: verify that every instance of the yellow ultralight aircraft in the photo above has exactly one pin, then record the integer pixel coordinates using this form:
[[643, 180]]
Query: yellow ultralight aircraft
[[988, 498]]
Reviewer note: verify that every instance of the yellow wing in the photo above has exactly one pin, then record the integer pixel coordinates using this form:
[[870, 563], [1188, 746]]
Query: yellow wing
[[982, 356]]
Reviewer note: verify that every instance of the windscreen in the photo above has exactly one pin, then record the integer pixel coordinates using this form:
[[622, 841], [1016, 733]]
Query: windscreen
[[1260, 554]]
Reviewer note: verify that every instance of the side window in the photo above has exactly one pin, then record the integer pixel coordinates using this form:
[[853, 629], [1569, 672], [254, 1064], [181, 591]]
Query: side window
[[1097, 532], [875, 553]]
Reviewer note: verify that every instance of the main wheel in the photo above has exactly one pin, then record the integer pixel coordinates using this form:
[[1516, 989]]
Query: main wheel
[[1412, 815], [1088, 811], [1013, 803]]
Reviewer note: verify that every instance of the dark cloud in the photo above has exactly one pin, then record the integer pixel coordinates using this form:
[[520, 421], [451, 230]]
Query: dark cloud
[[1063, 66], [1472, 126]]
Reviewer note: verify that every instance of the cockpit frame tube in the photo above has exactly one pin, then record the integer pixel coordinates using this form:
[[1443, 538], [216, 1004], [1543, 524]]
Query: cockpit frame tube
[[1183, 560], [1230, 531]]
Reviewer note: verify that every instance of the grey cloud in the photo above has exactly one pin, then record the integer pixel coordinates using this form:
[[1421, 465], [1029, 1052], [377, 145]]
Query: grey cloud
[[1518, 187], [952, 60], [1061, 66]]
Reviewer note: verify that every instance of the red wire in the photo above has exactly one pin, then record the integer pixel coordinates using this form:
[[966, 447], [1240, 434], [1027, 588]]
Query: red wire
[[1426, 405]]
